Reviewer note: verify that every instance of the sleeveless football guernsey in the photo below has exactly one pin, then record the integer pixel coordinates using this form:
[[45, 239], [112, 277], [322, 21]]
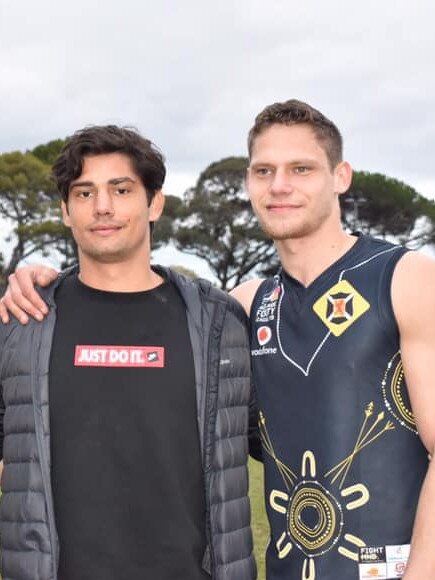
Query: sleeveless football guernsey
[[343, 461]]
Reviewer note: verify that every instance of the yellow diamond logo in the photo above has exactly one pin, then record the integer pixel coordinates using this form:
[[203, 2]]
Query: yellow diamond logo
[[340, 306]]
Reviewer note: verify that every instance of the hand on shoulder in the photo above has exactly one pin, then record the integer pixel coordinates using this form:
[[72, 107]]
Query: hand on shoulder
[[21, 299]]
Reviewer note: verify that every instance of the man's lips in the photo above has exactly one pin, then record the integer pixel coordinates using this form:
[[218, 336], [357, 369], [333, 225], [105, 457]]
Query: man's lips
[[105, 230], [282, 207]]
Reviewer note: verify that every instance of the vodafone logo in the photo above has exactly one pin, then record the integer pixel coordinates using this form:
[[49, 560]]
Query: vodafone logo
[[264, 334]]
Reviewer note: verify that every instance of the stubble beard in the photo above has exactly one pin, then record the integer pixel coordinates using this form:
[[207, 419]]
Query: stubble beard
[[285, 231], [105, 254]]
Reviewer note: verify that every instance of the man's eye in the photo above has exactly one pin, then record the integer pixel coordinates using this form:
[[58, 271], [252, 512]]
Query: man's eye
[[263, 171], [122, 190], [302, 169], [84, 194]]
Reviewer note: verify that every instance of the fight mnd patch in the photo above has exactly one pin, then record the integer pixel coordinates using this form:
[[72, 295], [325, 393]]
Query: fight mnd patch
[[383, 562]]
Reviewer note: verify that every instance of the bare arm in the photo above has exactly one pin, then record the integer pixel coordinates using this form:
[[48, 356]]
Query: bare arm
[[244, 293], [413, 294], [21, 298]]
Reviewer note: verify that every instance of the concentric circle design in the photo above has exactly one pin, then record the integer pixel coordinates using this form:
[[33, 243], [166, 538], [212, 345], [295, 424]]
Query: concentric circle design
[[314, 518], [395, 393]]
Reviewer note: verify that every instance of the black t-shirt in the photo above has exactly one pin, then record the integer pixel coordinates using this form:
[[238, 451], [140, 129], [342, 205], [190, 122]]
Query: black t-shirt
[[126, 466]]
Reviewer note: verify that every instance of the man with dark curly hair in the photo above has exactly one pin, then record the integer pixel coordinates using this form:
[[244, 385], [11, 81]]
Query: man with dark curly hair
[[125, 412]]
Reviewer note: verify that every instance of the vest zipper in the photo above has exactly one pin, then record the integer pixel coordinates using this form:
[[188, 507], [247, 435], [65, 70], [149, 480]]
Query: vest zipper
[[39, 432], [208, 435], [205, 440]]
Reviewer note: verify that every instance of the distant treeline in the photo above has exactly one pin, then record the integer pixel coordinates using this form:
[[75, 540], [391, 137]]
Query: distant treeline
[[212, 220]]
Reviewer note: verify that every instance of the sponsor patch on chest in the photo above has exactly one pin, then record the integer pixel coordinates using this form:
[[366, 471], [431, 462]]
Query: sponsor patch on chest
[[119, 356], [386, 562], [266, 310], [264, 335]]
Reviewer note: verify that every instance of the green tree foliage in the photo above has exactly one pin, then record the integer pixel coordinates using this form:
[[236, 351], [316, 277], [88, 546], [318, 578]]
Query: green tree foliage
[[213, 221], [28, 204], [216, 223], [163, 231], [385, 207], [64, 244], [48, 152]]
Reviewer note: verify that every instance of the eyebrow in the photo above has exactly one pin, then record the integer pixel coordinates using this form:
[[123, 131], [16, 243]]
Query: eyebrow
[[114, 181], [299, 161], [118, 180]]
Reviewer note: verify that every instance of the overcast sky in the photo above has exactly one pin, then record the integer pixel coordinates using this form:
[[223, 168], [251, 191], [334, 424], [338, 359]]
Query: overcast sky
[[192, 74]]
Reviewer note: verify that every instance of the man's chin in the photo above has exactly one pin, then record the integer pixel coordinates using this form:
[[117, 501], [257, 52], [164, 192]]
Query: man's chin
[[105, 256], [281, 234]]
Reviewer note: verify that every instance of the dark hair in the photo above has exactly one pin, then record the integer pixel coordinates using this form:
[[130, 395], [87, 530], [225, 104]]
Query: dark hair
[[294, 112], [147, 160]]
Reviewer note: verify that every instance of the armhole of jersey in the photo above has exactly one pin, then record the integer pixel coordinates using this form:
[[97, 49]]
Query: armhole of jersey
[[260, 290], [384, 298]]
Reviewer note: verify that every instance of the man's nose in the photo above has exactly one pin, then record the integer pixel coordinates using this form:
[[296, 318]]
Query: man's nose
[[281, 183], [103, 204]]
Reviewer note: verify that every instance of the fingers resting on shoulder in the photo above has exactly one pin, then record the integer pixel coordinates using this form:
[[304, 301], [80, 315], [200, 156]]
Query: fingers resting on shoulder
[[21, 299]]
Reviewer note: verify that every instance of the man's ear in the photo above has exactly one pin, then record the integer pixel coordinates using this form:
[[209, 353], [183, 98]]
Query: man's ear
[[343, 177], [65, 214], [156, 206]]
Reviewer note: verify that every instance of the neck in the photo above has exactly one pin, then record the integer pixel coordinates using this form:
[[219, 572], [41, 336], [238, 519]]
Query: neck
[[118, 277], [307, 257]]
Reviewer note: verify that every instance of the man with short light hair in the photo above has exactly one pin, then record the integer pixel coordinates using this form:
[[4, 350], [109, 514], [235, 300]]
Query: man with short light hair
[[343, 354]]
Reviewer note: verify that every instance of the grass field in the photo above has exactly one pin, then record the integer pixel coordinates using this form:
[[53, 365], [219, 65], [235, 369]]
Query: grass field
[[259, 521]]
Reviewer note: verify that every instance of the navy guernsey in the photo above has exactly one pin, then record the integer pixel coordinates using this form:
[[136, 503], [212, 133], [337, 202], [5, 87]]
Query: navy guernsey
[[343, 462]]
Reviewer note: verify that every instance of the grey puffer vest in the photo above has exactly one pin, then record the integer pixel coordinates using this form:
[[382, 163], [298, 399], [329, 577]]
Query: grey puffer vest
[[218, 333]]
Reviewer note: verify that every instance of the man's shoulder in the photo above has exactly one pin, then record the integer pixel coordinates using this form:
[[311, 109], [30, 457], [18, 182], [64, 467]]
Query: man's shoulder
[[204, 290], [412, 264], [379, 246], [16, 336], [416, 270], [47, 292], [246, 292]]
